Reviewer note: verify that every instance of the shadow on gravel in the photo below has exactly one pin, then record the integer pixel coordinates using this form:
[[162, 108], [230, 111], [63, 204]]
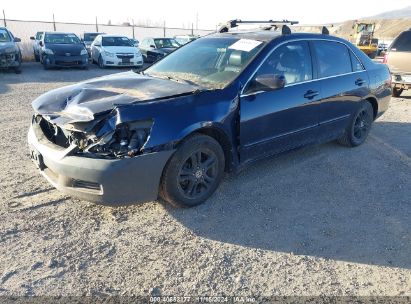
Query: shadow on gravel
[[326, 201], [33, 72]]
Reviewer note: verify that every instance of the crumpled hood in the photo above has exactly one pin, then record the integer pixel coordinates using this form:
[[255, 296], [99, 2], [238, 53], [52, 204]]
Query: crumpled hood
[[80, 102], [8, 47]]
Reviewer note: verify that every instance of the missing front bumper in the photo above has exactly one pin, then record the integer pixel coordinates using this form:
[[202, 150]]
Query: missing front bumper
[[104, 181]]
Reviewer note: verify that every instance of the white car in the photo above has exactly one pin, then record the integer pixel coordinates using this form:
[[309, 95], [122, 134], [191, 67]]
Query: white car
[[114, 50]]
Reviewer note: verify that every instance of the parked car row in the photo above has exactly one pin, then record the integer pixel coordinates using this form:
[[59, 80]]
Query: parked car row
[[103, 49]]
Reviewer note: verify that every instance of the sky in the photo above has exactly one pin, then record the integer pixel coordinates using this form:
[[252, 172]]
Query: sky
[[209, 13]]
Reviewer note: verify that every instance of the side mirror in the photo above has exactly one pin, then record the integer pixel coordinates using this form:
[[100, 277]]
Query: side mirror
[[268, 82], [41, 43], [152, 46], [32, 38], [17, 39]]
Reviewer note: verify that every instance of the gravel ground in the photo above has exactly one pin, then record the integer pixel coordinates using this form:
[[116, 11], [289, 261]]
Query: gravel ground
[[324, 220]]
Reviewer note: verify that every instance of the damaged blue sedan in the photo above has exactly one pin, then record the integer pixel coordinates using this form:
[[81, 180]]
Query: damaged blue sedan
[[212, 106]]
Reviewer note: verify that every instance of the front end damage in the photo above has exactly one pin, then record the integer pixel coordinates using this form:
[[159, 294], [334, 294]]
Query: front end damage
[[108, 169], [107, 140], [86, 144]]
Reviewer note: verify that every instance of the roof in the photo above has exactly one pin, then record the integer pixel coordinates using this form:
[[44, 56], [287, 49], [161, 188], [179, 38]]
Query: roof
[[111, 35], [268, 35], [67, 33]]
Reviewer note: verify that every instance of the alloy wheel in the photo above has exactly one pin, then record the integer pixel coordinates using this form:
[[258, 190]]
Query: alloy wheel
[[198, 174], [362, 125]]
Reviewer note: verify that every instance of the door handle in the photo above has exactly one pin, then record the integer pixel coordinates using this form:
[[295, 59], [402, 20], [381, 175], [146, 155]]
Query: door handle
[[359, 82], [310, 94]]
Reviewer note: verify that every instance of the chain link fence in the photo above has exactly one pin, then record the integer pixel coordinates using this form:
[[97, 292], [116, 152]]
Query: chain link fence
[[25, 29]]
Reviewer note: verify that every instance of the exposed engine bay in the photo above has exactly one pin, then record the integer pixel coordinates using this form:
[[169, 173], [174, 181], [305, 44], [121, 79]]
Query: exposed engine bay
[[124, 140]]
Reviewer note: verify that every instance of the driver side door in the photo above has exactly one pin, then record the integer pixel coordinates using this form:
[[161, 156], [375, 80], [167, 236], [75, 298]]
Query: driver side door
[[273, 121]]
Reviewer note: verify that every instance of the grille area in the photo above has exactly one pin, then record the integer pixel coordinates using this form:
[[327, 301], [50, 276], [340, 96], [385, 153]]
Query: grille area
[[124, 56]]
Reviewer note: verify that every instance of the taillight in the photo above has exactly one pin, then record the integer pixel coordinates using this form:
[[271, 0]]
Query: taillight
[[385, 60]]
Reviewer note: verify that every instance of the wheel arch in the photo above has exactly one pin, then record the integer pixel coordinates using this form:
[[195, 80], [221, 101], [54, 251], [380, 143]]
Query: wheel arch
[[374, 103], [221, 137]]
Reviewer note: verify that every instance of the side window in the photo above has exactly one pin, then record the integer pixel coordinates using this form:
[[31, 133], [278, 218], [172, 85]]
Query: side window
[[356, 64], [292, 60], [333, 58]]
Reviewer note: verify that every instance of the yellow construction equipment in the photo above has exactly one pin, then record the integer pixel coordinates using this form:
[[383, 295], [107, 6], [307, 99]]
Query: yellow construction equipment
[[364, 39]]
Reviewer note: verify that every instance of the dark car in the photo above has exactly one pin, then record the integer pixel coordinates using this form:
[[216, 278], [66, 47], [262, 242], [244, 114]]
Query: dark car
[[62, 50], [88, 39], [214, 105], [154, 49], [10, 53]]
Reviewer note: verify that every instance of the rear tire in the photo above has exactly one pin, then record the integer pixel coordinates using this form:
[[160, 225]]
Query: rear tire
[[359, 127], [397, 92], [372, 55], [194, 172]]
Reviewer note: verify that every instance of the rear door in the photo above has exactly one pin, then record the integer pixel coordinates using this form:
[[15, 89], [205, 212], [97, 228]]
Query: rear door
[[279, 120], [344, 83]]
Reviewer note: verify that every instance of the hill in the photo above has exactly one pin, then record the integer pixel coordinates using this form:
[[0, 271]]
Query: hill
[[395, 14]]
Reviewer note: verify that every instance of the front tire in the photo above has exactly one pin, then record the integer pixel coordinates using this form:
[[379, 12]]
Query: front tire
[[359, 127], [194, 172], [101, 62]]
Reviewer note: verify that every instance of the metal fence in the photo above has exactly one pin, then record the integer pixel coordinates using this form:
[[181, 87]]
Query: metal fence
[[24, 29]]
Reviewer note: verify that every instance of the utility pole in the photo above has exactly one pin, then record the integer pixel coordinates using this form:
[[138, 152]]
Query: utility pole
[[96, 25], [192, 29], [54, 23], [133, 28], [164, 29], [4, 19]]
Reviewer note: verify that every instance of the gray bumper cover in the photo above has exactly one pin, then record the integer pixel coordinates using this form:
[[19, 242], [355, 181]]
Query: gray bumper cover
[[104, 181]]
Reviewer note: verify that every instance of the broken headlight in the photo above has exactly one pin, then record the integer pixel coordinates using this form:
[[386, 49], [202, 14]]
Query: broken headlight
[[126, 140]]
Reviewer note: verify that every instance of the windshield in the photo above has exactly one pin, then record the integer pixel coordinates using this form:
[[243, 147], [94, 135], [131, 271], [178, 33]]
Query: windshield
[[90, 36], [61, 38], [116, 41], [363, 27], [208, 62], [4, 36], [166, 43]]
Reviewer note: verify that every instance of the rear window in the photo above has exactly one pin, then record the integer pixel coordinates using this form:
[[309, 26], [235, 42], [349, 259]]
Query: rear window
[[402, 43], [333, 58], [90, 36]]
